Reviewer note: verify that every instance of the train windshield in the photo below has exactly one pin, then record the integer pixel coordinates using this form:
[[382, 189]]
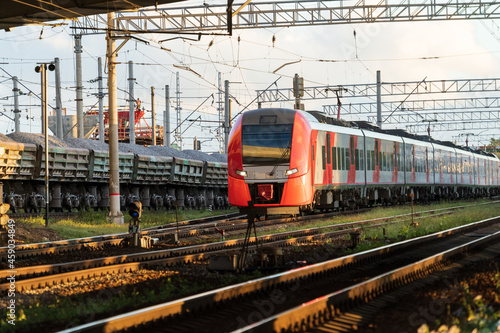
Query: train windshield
[[268, 144]]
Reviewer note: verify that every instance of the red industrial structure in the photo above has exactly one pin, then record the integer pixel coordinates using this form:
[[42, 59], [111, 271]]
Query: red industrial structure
[[143, 131]]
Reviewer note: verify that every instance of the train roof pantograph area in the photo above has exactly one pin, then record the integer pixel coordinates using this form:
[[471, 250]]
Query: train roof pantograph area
[[17, 13]]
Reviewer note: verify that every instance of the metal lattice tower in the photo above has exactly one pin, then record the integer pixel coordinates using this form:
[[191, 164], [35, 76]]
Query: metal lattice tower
[[220, 110], [178, 130]]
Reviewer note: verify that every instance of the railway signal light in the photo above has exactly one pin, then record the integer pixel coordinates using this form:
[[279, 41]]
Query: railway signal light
[[135, 210], [4, 219]]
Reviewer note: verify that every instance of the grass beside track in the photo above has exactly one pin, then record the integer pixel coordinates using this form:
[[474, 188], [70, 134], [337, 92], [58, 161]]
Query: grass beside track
[[47, 307], [87, 224]]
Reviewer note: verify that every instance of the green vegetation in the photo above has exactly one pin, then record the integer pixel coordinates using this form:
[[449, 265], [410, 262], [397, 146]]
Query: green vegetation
[[404, 230], [87, 224], [472, 312]]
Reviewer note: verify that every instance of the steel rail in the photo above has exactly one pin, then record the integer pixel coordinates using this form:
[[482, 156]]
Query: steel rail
[[210, 298], [86, 264], [81, 269], [146, 231], [161, 232], [309, 314]]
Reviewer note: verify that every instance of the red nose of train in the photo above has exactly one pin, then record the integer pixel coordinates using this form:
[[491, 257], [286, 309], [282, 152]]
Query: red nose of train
[[269, 159]]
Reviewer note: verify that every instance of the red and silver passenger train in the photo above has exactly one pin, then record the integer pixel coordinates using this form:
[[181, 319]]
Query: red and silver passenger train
[[283, 161]]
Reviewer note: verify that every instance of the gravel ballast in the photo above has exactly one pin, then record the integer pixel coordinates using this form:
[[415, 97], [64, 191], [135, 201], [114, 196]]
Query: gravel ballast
[[90, 144]]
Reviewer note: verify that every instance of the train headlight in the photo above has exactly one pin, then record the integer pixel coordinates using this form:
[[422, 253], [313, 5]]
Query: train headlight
[[241, 173], [291, 171]]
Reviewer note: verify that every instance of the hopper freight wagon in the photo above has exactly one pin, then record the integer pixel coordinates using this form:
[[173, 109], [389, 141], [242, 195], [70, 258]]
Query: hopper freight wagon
[[79, 179]]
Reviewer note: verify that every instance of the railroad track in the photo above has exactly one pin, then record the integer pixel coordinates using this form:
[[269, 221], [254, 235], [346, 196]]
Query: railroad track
[[35, 249], [185, 229], [33, 277], [304, 298]]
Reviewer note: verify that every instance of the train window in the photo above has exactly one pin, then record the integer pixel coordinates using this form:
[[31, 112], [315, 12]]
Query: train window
[[380, 161], [361, 160], [328, 146], [376, 153], [266, 144], [323, 157], [347, 167], [395, 151], [373, 159], [392, 162], [357, 159], [334, 158], [341, 159], [384, 156], [368, 161], [351, 146]]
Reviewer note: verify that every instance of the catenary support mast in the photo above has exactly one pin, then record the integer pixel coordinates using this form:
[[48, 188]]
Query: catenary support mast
[[114, 175]]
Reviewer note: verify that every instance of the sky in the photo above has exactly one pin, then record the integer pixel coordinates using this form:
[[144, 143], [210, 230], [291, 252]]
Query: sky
[[250, 60]]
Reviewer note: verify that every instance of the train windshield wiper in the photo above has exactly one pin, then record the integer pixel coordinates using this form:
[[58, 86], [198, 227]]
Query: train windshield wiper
[[283, 155]]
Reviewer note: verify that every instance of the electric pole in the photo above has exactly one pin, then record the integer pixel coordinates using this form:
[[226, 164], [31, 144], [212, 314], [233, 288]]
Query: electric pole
[[166, 118], [59, 125], [101, 100], [178, 131], [79, 88], [131, 100], [227, 113], [220, 110], [153, 120], [16, 105], [379, 101], [114, 174]]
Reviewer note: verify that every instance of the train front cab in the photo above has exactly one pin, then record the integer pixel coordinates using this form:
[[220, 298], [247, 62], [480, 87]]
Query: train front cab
[[269, 162]]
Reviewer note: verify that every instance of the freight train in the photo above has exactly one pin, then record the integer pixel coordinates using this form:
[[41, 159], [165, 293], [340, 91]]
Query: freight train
[[283, 161], [79, 179]]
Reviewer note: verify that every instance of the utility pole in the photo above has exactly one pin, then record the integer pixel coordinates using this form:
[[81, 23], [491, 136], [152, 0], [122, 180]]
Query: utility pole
[[131, 101], [178, 133], [42, 69], [115, 214], [59, 125], [227, 112], [166, 118], [153, 117], [101, 100], [16, 104], [220, 110], [379, 101], [79, 88]]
